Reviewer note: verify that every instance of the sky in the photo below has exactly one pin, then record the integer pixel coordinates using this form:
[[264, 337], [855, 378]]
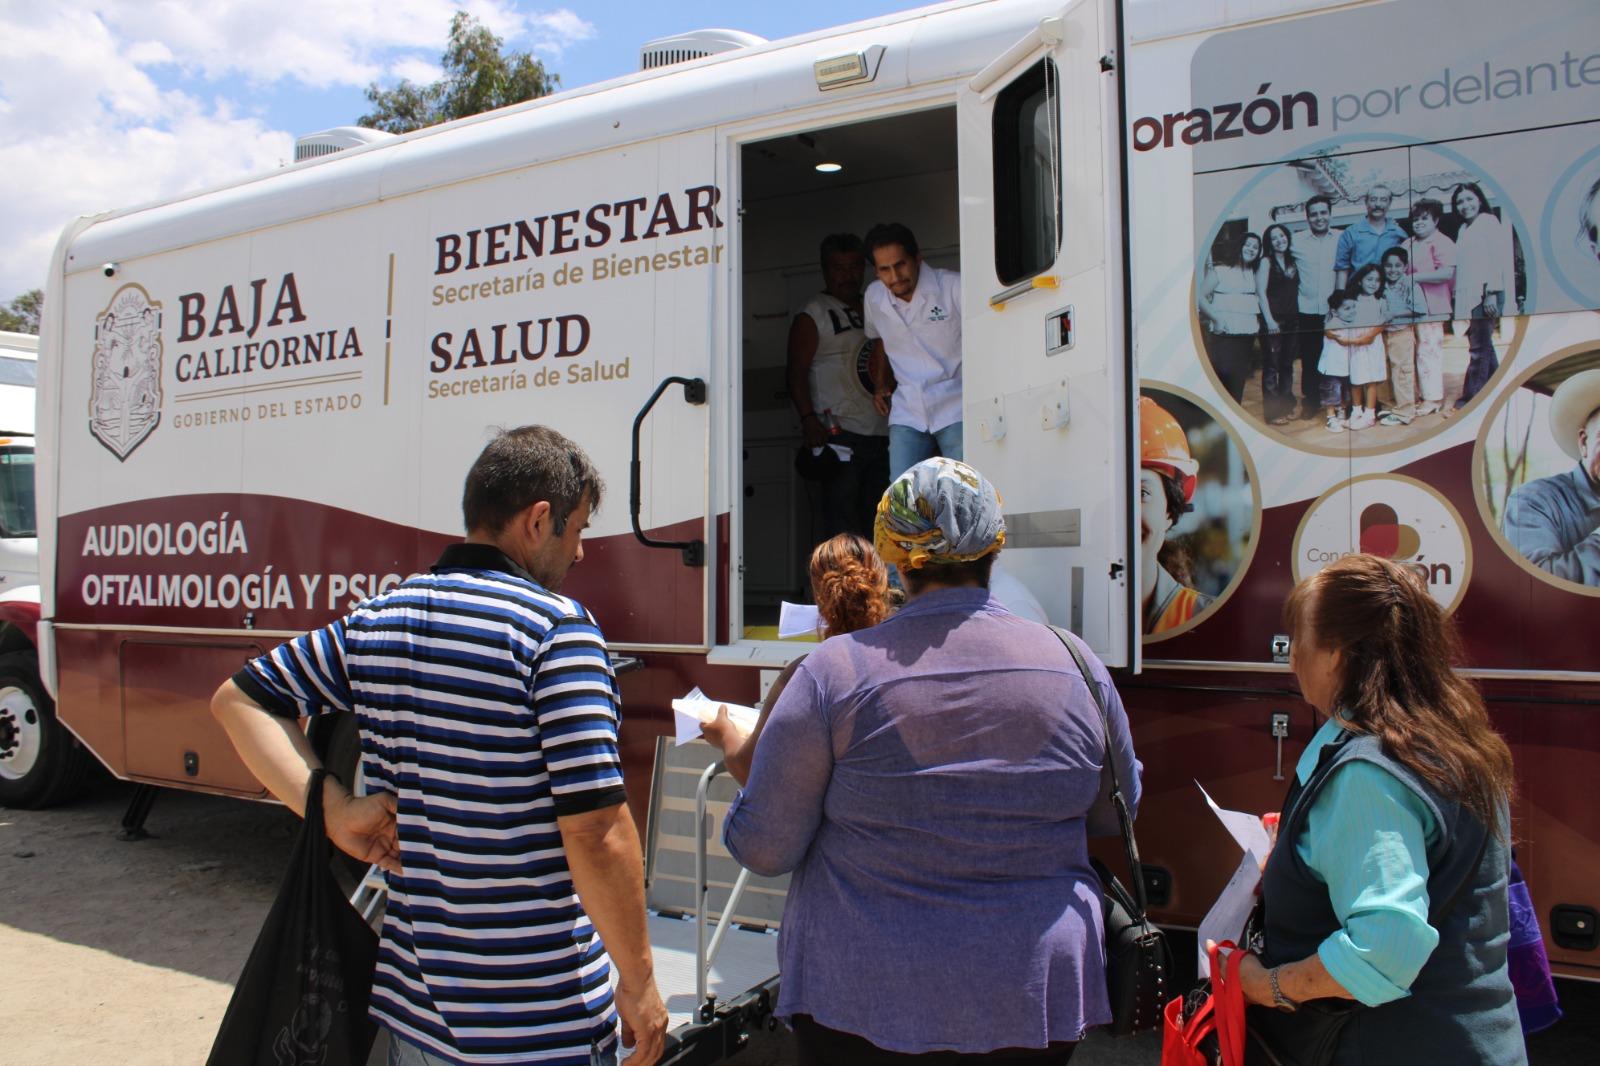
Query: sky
[[109, 103]]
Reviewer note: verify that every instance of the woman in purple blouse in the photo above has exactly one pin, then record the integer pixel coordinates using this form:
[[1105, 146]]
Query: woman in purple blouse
[[931, 781]]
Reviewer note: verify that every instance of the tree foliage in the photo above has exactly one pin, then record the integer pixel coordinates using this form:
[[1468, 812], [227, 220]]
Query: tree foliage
[[479, 75], [22, 314]]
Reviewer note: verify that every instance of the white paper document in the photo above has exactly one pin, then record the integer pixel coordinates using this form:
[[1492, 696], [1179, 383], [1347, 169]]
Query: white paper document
[[693, 711], [1246, 829], [798, 620], [1225, 920]]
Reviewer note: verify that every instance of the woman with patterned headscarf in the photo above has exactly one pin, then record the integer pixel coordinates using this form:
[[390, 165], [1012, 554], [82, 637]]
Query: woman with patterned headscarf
[[931, 781]]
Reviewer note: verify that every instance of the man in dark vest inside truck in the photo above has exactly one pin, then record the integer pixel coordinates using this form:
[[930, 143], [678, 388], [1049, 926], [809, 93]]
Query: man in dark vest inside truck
[[832, 395]]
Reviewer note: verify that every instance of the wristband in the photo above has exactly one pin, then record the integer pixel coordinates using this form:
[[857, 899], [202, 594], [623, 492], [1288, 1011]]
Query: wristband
[[809, 414]]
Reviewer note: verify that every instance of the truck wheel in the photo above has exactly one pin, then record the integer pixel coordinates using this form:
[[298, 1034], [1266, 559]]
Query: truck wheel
[[41, 763]]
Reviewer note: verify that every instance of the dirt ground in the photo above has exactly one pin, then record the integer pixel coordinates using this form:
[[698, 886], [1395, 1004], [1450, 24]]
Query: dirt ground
[[126, 953]]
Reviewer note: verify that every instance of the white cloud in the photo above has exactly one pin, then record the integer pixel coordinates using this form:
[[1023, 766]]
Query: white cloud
[[90, 118], [416, 69], [553, 31]]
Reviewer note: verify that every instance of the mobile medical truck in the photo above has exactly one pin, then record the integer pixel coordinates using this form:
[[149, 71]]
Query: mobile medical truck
[[257, 402]]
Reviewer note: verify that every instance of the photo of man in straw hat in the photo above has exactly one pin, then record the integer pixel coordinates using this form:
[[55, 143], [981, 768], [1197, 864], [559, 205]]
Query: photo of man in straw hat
[[1555, 521]]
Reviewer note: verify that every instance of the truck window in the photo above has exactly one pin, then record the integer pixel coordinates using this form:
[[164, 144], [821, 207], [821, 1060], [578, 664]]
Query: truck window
[[16, 491], [18, 372], [1027, 174]]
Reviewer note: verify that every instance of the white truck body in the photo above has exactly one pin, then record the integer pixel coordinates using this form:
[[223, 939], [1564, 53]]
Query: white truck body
[[257, 402]]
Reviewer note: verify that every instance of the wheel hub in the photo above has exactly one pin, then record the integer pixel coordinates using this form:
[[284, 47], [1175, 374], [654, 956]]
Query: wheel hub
[[21, 734]]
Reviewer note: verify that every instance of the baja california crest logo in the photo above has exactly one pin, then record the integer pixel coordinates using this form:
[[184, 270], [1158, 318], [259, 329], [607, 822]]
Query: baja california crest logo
[[125, 397]]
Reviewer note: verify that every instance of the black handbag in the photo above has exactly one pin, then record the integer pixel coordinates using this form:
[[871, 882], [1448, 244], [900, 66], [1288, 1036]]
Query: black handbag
[[1138, 958], [302, 997]]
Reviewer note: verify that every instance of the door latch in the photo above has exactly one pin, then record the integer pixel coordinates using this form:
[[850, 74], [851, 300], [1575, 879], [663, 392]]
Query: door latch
[[1280, 730], [1280, 648]]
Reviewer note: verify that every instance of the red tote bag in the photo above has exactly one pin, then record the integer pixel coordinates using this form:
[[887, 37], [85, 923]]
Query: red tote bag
[[1184, 1041]]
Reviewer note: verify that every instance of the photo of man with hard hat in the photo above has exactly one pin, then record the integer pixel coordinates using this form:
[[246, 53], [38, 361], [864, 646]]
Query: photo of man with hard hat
[[1198, 510], [1166, 493]]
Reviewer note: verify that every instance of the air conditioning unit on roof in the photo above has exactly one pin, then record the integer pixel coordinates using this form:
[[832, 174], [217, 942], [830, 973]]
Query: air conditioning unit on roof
[[313, 145], [696, 44]]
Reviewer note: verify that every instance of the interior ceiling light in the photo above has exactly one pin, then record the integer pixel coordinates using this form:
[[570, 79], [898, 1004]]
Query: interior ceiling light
[[829, 168]]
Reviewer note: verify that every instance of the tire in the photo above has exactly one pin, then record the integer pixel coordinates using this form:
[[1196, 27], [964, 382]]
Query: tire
[[41, 763]]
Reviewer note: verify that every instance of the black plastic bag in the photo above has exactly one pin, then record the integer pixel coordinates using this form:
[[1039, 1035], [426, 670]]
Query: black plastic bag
[[302, 998]]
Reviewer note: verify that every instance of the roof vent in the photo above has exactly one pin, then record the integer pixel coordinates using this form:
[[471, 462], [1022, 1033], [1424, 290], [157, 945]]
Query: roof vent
[[696, 44], [315, 145]]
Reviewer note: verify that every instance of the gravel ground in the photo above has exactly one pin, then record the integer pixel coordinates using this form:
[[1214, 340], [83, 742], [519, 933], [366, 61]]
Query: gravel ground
[[126, 953]]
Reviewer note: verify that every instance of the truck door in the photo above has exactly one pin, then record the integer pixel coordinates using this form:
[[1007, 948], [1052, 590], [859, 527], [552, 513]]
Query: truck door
[[1049, 385]]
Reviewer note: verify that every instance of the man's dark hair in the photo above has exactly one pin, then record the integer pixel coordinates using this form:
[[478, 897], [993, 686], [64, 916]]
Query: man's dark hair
[[522, 466], [1318, 199], [1432, 208], [977, 571], [837, 243], [886, 233]]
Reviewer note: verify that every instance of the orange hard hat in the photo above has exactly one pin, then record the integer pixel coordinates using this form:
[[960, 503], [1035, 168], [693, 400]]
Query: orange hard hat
[[1164, 448]]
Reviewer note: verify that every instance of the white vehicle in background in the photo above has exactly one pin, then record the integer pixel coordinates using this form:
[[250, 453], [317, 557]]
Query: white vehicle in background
[[21, 726]]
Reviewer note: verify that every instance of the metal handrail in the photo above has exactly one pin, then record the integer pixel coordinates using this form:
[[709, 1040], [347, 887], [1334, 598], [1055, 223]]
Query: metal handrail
[[705, 955], [695, 393]]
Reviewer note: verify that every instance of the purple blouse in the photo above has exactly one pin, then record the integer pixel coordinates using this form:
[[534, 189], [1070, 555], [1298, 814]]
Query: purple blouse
[[930, 781]]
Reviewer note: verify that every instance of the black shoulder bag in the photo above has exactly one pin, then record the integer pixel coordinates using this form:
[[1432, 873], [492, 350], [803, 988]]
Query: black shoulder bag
[[1138, 959], [302, 997]]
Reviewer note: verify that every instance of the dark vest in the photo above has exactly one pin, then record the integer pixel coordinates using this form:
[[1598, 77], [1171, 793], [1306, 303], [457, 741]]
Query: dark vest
[[1461, 1008]]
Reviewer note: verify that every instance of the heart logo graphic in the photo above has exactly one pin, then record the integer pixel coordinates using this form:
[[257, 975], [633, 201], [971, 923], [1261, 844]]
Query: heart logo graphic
[[1383, 534]]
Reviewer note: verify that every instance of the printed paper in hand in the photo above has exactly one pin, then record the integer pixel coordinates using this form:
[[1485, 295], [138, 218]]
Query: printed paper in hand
[[686, 726], [1225, 920], [798, 620], [693, 711]]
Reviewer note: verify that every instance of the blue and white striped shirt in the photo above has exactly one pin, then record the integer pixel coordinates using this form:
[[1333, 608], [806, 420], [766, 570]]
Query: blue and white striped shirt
[[488, 708]]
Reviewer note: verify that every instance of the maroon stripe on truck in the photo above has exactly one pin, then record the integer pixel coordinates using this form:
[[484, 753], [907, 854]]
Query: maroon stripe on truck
[[231, 561]]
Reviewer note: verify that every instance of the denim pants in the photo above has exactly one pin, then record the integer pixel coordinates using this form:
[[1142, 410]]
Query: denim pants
[[1482, 361], [1233, 358], [1308, 343], [403, 1052], [908, 447], [1277, 374]]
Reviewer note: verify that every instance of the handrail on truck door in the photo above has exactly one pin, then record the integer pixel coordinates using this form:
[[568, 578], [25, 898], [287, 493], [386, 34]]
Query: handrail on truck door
[[705, 955], [694, 392]]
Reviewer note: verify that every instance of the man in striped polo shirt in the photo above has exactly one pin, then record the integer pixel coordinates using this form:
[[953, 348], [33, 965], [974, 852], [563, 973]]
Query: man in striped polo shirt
[[488, 715]]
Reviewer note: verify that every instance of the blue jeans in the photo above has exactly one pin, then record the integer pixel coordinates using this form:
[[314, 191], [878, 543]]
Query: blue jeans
[[908, 447], [403, 1052]]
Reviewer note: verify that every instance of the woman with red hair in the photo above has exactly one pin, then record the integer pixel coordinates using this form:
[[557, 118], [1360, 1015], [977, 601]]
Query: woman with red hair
[[851, 586]]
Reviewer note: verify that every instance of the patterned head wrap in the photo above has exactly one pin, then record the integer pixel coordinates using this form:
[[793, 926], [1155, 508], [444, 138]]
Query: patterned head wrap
[[941, 511]]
